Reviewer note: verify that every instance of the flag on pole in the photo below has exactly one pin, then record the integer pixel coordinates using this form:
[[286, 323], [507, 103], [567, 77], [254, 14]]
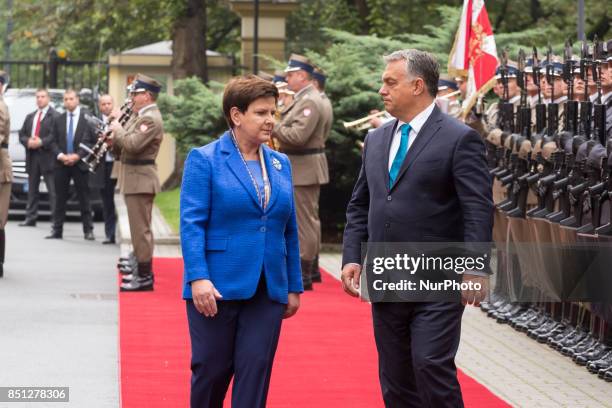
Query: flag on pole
[[474, 54]]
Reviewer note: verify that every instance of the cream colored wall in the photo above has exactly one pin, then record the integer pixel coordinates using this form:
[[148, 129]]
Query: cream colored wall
[[157, 66]]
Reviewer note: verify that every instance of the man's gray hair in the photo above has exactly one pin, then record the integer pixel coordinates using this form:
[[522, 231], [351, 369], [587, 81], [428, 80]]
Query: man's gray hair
[[418, 64]]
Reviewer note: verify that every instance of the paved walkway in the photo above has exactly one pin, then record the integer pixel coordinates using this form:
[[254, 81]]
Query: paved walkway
[[514, 367], [58, 315]]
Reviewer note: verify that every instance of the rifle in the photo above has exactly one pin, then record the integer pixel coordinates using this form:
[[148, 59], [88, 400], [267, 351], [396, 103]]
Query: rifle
[[591, 197], [599, 128], [605, 228], [585, 104], [540, 107], [519, 187], [506, 124], [571, 106], [551, 170]]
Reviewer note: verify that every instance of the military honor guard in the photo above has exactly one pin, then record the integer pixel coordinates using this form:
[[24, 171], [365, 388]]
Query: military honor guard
[[6, 172], [301, 134], [318, 80], [139, 143]]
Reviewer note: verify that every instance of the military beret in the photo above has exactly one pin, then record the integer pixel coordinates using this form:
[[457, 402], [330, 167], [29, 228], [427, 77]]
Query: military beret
[[297, 62]]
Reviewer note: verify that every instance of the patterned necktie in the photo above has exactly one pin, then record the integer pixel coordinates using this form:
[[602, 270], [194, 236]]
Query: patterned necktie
[[400, 155], [70, 138]]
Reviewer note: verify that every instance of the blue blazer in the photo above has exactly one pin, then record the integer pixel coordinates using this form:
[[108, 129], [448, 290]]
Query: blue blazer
[[442, 192], [225, 234]]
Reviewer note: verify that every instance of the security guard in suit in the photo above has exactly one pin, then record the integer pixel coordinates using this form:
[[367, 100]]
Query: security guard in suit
[[318, 80], [6, 169], [139, 142], [301, 134]]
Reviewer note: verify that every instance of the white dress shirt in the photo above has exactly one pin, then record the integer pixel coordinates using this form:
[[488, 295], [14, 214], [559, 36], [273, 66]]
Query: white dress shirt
[[42, 113], [415, 127]]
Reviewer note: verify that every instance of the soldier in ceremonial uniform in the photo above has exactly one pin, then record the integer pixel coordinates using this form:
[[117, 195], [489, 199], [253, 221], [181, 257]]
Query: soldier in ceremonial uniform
[[558, 87], [473, 118], [139, 142], [492, 118], [6, 172], [301, 134], [448, 104], [318, 80]]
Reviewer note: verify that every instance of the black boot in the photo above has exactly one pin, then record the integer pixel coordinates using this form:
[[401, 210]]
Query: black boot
[[142, 280], [316, 272], [127, 260], [306, 274], [2, 248]]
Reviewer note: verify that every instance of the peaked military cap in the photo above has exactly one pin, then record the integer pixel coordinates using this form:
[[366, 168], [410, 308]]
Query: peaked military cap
[[512, 70], [319, 75], [143, 83], [297, 62], [265, 76], [446, 82], [279, 76]]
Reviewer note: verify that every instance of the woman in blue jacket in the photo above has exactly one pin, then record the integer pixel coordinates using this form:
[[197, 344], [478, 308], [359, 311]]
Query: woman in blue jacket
[[240, 249]]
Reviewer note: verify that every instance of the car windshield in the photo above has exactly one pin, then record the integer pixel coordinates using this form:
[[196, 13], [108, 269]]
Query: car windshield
[[22, 103]]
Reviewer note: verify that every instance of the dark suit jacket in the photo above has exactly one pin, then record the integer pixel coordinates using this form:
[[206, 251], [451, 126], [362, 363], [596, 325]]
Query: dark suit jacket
[[43, 154], [83, 133], [442, 193]]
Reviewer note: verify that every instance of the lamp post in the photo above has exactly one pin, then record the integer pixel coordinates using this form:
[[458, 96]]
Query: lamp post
[[255, 36], [581, 20]]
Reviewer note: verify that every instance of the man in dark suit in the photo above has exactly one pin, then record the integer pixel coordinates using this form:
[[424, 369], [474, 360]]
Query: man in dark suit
[[102, 179], [36, 135], [69, 131], [424, 177]]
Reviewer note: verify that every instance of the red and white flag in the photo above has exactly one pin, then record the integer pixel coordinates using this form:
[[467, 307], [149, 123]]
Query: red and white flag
[[474, 53]]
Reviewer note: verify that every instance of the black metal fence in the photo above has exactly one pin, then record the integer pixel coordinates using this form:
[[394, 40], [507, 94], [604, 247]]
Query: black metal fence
[[58, 73]]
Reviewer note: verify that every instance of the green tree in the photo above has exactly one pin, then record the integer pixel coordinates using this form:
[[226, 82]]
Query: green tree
[[193, 115]]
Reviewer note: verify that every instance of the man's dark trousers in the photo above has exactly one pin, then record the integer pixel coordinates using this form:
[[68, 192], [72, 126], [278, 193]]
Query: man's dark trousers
[[35, 171], [417, 343], [108, 201], [62, 176]]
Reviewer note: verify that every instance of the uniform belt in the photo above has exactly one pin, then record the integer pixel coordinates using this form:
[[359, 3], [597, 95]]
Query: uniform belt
[[304, 152], [136, 162], [4, 145]]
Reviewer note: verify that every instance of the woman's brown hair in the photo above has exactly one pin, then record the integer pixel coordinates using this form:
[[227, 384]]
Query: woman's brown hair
[[241, 91]]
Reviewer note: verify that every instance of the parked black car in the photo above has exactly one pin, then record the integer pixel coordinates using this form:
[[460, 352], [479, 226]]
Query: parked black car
[[21, 102]]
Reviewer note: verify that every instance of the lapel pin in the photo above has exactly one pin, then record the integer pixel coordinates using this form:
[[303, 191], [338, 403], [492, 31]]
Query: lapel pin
[[277, 165]]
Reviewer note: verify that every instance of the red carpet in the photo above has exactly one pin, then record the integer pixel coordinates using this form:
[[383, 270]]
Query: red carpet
[[326, 355]]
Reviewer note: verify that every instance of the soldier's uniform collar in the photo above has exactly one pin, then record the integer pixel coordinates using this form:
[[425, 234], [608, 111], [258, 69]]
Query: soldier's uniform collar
[[146, 108], [303, 91]]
